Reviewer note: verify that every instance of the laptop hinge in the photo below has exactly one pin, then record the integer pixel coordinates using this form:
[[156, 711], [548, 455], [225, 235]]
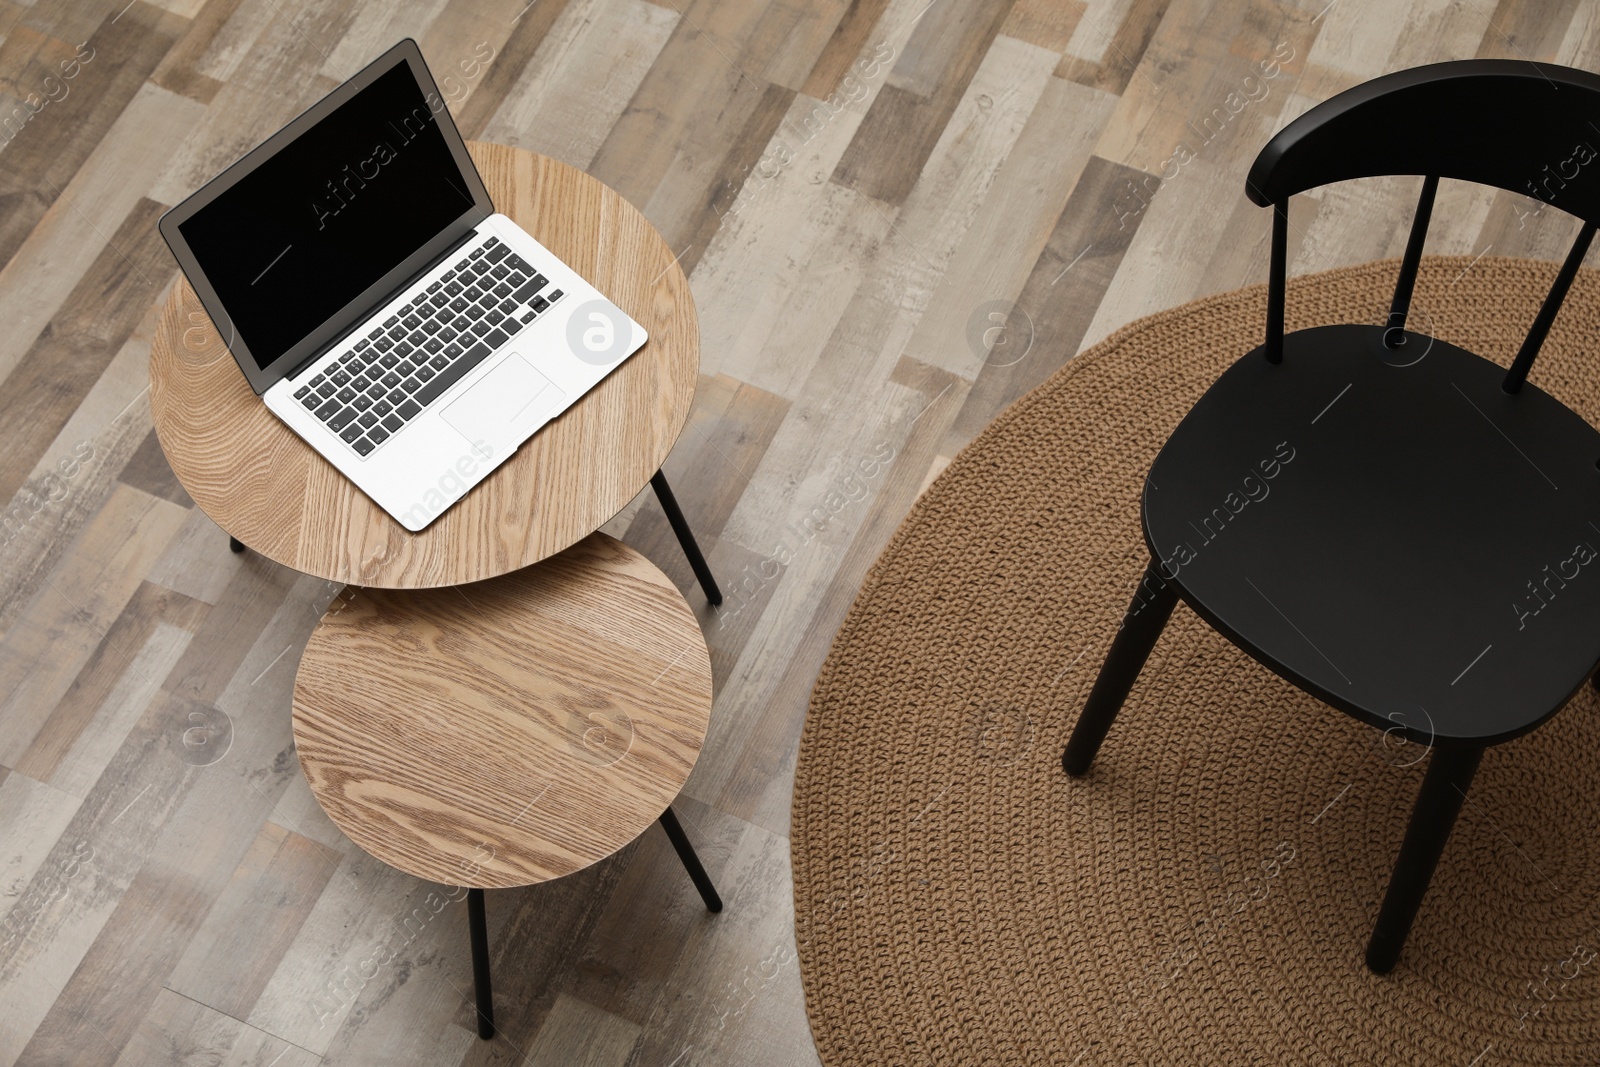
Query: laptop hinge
[[304, 365]]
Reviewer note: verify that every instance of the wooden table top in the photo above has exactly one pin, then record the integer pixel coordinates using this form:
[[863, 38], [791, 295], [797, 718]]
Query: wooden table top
[[268, 488], [510, 732]]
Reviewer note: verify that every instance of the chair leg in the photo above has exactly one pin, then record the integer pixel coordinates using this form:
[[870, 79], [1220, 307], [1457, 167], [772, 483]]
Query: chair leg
[[1147, 617], [1444, 788], [235, 545], [480, 962], [680, 526], [691, 862]]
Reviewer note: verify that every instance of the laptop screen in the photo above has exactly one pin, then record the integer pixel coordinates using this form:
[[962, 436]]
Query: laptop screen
[[328, 215]]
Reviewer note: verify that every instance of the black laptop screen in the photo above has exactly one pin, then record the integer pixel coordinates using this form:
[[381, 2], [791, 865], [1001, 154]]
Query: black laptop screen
[[330, 214]]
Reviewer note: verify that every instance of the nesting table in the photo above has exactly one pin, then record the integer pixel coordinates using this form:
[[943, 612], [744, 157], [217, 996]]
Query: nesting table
[[461, 714]]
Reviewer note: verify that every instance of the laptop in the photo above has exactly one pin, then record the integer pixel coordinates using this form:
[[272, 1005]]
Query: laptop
[[380, 306]]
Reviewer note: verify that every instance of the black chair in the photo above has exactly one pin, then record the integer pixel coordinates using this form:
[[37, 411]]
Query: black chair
[[1399, 527]]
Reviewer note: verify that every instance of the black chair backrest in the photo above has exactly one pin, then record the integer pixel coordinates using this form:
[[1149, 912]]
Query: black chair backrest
[[1529, 128]]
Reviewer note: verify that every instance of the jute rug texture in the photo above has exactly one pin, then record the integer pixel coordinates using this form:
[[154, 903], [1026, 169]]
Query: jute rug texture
[[1205, 894]]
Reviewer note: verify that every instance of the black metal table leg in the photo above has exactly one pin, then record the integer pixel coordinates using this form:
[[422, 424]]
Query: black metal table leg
[[1444, 789], [480, 962], [235, 544], [691, 862], [680, 526], [1147, 617]]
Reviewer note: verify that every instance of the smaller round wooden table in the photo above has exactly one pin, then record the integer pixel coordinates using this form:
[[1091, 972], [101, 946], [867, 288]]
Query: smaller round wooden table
[[510, 732]]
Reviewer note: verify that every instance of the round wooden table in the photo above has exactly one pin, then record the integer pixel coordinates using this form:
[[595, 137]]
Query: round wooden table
[[269, 490], [511, 732]]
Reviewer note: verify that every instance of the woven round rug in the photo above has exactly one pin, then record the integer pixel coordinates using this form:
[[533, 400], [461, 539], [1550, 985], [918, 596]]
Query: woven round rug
[[1205, 894]]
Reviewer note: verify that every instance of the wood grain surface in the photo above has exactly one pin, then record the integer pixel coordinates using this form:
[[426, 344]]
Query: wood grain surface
[[511, 732], [264, 485]]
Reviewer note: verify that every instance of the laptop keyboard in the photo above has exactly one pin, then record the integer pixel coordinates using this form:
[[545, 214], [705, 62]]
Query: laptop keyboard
[[427, 345]]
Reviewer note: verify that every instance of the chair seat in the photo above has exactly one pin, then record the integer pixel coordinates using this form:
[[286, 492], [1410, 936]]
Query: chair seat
[[1390, 531]]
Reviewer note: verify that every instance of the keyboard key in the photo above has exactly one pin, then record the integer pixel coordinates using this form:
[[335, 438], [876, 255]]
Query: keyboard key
[[351, 433], [493, 318], [502, 291], [496, 338], [340, 377], [500, 271], [481, 328], [382, 408], [389, 322], [439, 362], [348, 358], [435, 287], [364, 345], [554, 296], [393, 423], [454, 289], [300, 393], [403, 350], [366, 419], [497, 253], [453, 350], [377, 435], [411, 322], [391, 379], [312, 402], [436, 388], [326, 389], [459, 304], [507, 307], [475, 312], [396, 397], [511, 326], [410, 385], [540, 303], [364, 446], [408, 410], [447, 335], [516, 262], [362, 402], [341, 420], [433, 346], [345, 395], [405, 367], [383, 344], [449, 274], [529, 316], [328, 410], [389, 360], [375, 334], [517, 279], [424, 373], [529, 291], [318, 380], [376, 390]]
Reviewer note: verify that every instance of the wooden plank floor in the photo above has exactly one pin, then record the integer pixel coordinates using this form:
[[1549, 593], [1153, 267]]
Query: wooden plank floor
[[863, 190]]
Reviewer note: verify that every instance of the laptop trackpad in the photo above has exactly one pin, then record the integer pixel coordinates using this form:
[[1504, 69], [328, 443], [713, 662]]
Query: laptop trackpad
[[505, 405]]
